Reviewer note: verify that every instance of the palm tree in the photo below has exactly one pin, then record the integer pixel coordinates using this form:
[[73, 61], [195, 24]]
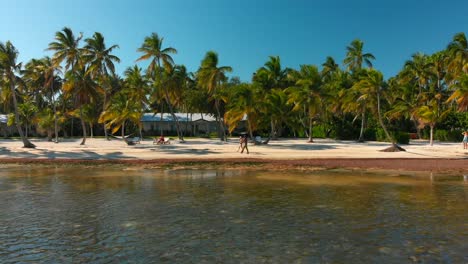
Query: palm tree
[[9, 65], [211, 77], [458, 50], [306, 95], [84, 90], [420, 70], [329, 68], [43, 74], [355, 56], [272, 75], [66, 47], [243, 103], [371, 85], [119, 111], [430, 114], [101, 64], [136, 86], [152, 49], [460, 95]]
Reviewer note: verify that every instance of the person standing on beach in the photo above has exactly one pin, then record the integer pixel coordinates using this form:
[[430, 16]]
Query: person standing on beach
[[465, 140], [241, 139], [244, 142]]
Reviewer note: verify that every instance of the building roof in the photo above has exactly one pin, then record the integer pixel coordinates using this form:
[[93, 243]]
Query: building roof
[[182, 117], [3, 118]]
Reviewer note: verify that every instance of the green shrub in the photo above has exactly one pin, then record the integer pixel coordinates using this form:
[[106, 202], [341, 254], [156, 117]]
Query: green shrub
[[370, 134], [448, 135], [380, 135], [402, 137], [318, 131]]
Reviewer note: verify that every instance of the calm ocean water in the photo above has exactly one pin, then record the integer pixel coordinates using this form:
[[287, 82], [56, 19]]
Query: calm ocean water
[[116, 215]]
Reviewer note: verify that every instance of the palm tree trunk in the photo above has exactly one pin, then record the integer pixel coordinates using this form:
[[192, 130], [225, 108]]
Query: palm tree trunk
[[431, 138], [83, 126], [272, 129], [103, 110], [26, 142], [311, 140], [161, 121], [168, 101], [418, 130], [389, 138], [250, 129], [363, 124], [72, 125], [55, 115], [123, 129], [91, 130], [221, 134]]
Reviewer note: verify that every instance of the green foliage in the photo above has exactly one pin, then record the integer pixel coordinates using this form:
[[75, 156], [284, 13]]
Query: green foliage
[[401, 137], [318, 131], [380, 135], [370, 134], [448, 135]]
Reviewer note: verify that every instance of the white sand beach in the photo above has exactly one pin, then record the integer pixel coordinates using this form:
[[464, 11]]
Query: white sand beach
[[199, 148]]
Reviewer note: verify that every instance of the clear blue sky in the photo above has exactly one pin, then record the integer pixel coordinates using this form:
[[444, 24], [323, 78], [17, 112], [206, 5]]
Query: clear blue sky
[[243, 32]]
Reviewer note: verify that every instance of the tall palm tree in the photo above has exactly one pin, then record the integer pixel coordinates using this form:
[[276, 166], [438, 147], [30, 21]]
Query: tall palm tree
[[243, 103], [211, 77], [272, 75], [101, 64], [44, 74], [9, 66], [371, 85], [329, 68], [420, 70], [354, 60], [306, 95], [152, 49], [66, 47], [460, 94], [83, 90], [355, 56], [66, 50], [136, 86], [458, 50]]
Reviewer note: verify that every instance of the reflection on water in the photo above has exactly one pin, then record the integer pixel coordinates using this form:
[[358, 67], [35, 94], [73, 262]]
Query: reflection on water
[[84, 214]]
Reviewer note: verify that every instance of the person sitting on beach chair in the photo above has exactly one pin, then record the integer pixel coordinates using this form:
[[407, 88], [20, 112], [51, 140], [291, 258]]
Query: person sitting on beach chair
[[161, 140]]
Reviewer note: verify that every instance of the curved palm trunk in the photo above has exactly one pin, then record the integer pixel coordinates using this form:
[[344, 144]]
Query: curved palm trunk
[[389, 138], [26, 142], [363, 124], [83, 125]]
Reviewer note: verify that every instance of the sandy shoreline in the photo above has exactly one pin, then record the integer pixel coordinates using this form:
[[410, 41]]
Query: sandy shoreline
[[283, 153]]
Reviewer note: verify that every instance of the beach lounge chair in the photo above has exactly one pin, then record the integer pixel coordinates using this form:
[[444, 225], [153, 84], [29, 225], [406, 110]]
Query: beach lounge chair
[[132, 141]]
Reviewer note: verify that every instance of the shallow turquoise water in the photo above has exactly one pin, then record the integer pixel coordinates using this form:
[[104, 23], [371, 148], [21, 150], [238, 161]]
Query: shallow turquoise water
[[102, 215]]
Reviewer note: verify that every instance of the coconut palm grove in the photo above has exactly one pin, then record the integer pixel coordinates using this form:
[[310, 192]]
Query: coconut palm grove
[[77, 92]]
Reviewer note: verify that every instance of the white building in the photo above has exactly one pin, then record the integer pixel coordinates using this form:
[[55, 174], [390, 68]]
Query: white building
[[192, 124]]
